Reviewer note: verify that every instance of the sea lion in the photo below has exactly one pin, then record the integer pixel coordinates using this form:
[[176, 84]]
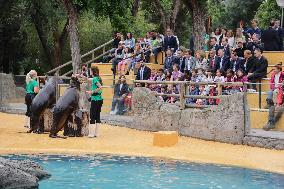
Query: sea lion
[[65, 106], [43, 100]]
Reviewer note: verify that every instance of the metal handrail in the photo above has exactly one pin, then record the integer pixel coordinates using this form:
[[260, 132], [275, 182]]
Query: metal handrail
[[84, 55]]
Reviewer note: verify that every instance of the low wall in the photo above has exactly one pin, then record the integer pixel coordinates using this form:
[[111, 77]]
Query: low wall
[[223, 123]]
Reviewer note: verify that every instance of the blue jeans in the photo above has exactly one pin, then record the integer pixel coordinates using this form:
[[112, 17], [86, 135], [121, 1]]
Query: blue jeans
[[120, 105]]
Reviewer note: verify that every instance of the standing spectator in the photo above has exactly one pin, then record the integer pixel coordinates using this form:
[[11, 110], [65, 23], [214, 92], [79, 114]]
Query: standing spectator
[[168, 64], [260, 69], [231, 38], [240, 48], [254, 29], [235, 62], [179, 60], [222, 62], [129, 41], [120, 92], [276, 87], [280, 34], [144, 72], [254, 43], [32, 88], [96, 103], [189, 61], [170, 41], [270, 38], [200, 60], [248, 64], [214, 44], [118, 56]]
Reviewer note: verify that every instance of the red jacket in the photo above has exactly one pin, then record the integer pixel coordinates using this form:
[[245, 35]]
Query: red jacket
[[280, 88]]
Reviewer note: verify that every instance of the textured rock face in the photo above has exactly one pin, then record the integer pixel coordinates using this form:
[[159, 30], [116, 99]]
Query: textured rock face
[[20, 174], [7, 87], [223, 123], [270, 143]]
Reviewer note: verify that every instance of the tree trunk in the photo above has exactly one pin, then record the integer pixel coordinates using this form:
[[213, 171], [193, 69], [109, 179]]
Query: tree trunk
[[58, 44], [73, 35], [175, 9], [135, 7], [163, 15], [199, 21]]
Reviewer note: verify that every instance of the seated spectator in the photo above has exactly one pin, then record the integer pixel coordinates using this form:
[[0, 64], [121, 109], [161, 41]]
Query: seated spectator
[[239, 35], [202, 92], [129, 42], [217, 34], [168, 64], [240, 77], [254, 43], [231, 39], [200, 60], [276, 88], [225, 46], [118, 56], [248, 64], [189, 61], [235, 61], [260, 69], [240, 48], [200, 75], [179, 60], [270, 38], [194, 76], [223, 62], [143, 72], [156, 46], [219, 78], [138, 56], [116, 40], [176, 73], [193, 90], [147, 47], [125, 61], [214, 44], [212, 59], [209, 76], [187, 76], [120, 92], [84, 71], [230, 77], [160, 75]]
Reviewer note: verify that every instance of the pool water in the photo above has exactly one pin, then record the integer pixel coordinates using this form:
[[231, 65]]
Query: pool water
[[117, 172]]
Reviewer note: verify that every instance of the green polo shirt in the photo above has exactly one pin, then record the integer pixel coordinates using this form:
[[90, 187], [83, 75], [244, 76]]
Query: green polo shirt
[[31, 85], [94, 87]]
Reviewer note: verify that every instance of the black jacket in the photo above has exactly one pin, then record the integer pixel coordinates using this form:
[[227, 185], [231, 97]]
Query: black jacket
[[250, 65], [168, 63], [180, 61], [270, 38], [170, 42], [146, 73], [118, 92], [261, 66]]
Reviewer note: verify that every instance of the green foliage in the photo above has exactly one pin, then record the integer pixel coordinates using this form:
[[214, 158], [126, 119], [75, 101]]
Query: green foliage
[[267, 11], [141, 25], [228, 13]]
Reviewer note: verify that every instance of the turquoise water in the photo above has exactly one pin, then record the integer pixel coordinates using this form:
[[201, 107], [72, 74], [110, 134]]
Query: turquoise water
[[120, 172]]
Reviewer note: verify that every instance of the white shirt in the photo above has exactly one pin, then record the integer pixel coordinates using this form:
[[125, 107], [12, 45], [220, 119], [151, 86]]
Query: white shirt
[[120, 87], [276, 79]]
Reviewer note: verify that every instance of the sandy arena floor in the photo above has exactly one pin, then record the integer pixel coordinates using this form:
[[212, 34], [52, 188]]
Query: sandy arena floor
[[119, 140]]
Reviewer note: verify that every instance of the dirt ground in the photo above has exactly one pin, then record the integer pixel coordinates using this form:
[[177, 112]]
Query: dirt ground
[[124, 141]]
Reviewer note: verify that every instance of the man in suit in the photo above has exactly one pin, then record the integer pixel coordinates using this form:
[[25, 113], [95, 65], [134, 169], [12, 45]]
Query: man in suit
[[280, 34], [212, 59], [270, 38], [168, 64], [213, 44], [240, 48], [260, 70], [170, 41], [121, 90], [222, 61], [189, 61], [143, 73], [225, 46], [235, 62], [179, 60]]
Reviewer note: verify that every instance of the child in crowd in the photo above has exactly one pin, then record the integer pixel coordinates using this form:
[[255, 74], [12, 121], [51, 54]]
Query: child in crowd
[[193, 90], [240, 77], [202, 92], [230, 77], [219, 78], [176, 73], [194, 75], [200, 75]]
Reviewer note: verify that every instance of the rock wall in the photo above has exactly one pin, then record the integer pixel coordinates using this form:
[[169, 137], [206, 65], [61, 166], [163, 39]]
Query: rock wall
[[20, 174], [263, 142], [223, 123]]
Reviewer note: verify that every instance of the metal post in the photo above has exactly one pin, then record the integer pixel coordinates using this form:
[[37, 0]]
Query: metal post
[[259, 95], [282, 18]]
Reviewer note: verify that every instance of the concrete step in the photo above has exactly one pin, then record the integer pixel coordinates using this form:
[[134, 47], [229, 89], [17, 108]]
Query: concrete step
[[259, 119]]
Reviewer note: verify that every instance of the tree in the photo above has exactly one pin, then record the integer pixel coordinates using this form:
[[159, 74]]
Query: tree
[[266, 12]]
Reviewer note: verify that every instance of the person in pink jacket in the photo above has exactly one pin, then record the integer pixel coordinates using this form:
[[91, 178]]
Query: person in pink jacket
[[275, 97]]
